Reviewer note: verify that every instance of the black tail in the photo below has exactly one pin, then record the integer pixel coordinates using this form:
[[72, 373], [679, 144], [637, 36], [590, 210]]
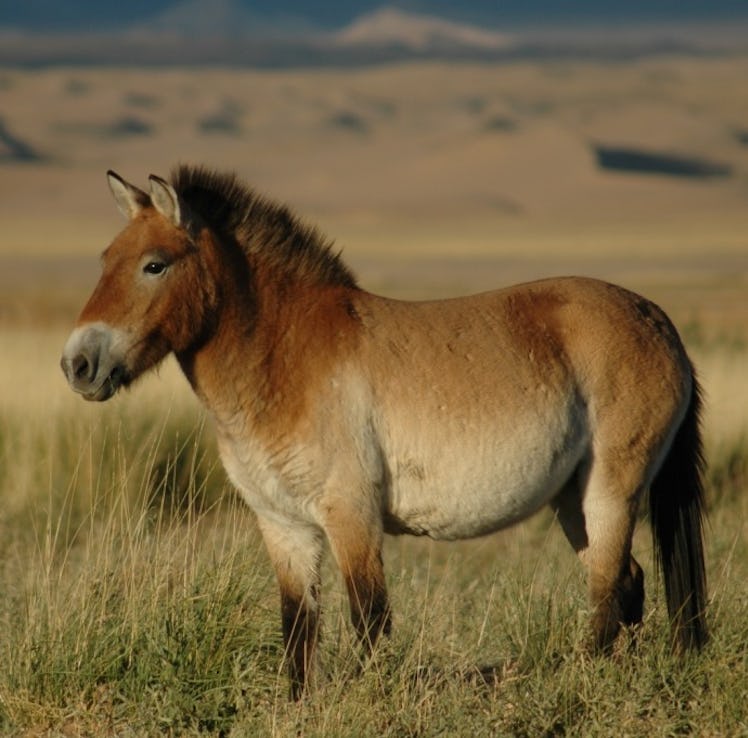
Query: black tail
[[676, 506]]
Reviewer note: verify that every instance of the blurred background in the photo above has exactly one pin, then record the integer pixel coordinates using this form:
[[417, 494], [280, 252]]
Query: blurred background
[[446, 150]]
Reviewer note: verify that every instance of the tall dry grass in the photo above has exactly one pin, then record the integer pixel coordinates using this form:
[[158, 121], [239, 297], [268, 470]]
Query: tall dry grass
[[136, 599]]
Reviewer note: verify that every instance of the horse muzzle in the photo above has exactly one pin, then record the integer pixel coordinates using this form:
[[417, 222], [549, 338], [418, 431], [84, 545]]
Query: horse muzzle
[[92, 363]]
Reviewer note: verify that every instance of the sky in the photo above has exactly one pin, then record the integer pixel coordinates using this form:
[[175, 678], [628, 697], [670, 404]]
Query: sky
[[94, 14]]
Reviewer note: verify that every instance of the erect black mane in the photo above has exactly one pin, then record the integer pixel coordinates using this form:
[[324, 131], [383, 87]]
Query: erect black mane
[[261, 227]]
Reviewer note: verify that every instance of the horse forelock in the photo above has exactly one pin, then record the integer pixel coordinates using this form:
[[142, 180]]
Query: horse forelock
[[267, 231]]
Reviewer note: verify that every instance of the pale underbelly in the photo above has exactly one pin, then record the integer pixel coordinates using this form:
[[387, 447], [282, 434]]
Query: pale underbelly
[[466, 497]]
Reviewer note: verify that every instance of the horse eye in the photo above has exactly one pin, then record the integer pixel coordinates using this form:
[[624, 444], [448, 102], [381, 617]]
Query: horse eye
[[154, 267]]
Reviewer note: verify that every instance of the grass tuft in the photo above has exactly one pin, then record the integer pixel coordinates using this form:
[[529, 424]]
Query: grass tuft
[[136, 599]]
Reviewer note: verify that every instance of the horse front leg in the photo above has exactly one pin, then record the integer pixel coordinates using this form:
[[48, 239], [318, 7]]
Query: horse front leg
[[296, 553], [355, 539]]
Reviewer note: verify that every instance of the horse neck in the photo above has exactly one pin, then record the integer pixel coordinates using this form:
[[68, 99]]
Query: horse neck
[[268, 328]]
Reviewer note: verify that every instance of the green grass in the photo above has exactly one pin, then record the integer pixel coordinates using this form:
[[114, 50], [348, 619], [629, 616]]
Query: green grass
[[136, 599]]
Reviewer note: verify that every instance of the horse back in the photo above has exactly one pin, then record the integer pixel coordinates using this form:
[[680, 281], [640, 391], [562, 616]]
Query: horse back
[[555, 335], [485, 406]]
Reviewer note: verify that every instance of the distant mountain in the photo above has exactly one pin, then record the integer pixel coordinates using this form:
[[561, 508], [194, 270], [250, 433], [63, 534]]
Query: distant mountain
[[262, 33], [393, 27], [226, 18]]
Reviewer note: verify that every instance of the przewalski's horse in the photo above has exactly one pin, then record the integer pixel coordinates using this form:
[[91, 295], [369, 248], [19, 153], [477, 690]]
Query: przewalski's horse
[[342, 415]]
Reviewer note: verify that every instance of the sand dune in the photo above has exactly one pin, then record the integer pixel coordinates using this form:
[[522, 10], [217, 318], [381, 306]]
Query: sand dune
[[455, 159]]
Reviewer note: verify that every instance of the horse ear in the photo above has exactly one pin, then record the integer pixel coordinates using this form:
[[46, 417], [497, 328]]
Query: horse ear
[[165, 199], [130, 199]]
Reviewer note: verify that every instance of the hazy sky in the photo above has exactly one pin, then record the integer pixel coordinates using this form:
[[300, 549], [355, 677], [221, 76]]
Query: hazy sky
[[94, 13]]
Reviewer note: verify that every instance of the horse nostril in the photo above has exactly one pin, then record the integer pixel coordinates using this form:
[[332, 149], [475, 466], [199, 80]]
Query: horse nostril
[[80, 366]]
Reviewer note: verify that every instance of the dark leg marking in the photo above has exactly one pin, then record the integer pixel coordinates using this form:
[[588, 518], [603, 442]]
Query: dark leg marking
[[300, 633]]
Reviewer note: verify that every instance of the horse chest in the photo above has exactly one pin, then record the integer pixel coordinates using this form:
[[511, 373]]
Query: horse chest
[[255, 472]]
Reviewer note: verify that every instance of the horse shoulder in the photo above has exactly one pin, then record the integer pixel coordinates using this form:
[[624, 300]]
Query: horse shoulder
[[297, 425]]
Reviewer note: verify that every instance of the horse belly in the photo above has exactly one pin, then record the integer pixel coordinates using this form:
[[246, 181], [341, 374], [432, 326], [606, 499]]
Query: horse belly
[[464, 489]]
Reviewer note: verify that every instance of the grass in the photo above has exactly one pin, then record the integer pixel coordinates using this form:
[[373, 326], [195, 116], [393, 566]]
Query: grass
[[136, 598]]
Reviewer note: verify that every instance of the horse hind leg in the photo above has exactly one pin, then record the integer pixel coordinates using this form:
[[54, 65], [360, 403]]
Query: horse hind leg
[[598, 513], [631, 595]]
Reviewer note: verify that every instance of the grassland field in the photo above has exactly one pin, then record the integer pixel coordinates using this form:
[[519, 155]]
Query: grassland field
[[135, 596]]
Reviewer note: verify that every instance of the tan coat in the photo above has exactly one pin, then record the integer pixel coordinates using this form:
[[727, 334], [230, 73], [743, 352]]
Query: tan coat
[[342, 415]]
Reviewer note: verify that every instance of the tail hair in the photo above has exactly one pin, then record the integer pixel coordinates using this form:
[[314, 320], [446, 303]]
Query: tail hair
[[676, 507]]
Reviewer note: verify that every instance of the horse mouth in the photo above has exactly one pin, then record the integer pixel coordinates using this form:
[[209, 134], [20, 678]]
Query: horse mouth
[[108, 388]]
